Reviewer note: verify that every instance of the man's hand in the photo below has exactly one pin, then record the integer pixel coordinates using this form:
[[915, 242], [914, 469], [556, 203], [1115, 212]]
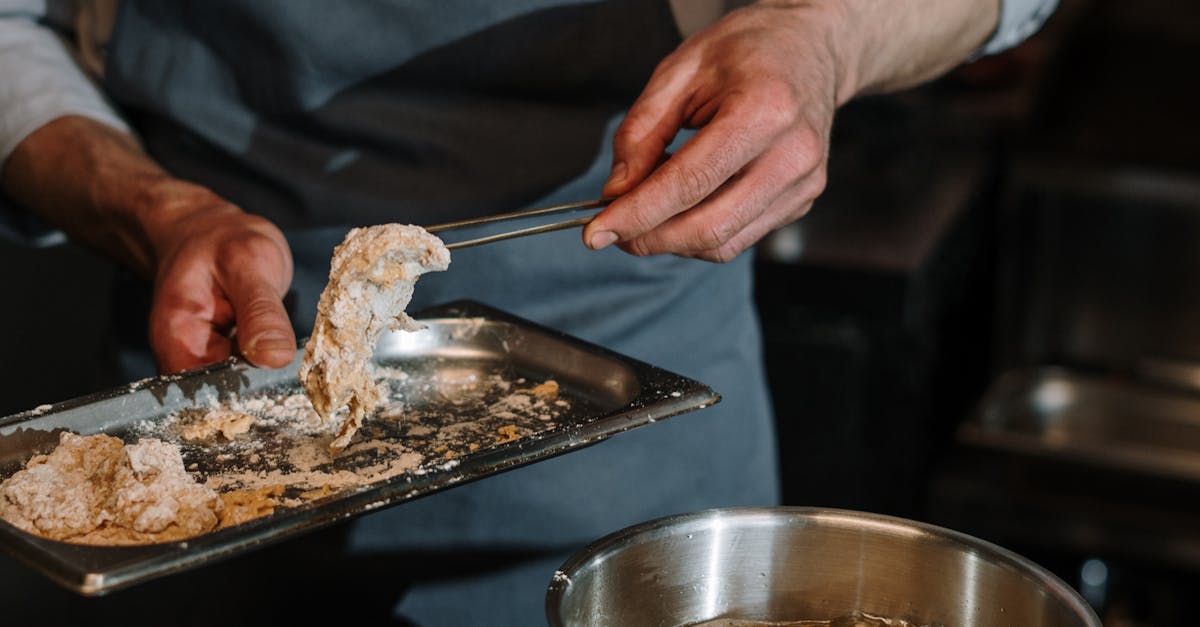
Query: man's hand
[[219, 274], [218, 289], [762, 85]]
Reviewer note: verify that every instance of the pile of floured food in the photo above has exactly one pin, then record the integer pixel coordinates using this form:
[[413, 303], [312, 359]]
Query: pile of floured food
[[98, 490], [371, 281]]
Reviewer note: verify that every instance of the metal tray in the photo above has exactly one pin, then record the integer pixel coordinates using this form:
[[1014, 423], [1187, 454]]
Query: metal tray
[[1108, 422], [479, 352]]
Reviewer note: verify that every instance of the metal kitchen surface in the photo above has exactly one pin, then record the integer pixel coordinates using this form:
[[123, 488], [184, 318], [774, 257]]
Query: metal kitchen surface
[[1106, 421], [477, 393]]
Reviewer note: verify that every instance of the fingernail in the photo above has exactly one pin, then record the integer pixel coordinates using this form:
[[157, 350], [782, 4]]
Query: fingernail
[[602, 239], [272, 347], [619, 172]]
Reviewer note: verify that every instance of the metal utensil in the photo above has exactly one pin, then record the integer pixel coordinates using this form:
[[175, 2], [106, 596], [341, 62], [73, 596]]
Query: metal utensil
[[517, 215]]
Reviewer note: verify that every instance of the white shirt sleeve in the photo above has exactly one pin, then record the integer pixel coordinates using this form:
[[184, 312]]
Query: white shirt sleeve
[[40, 79], [1019, 19]]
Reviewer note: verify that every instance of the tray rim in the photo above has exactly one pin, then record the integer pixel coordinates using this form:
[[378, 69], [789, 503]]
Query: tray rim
[[123, 566]]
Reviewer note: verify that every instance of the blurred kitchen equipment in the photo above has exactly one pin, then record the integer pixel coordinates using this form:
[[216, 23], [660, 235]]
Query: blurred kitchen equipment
[[1099, 267], [1069, 416], [1084, 445], [1097, 368], [791, 564]]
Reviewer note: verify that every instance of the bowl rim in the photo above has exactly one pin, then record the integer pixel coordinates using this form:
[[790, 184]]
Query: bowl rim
[[560, 582]]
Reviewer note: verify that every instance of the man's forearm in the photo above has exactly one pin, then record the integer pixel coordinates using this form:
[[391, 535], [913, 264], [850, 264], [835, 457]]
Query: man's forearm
[[886, 45], [95, 183]]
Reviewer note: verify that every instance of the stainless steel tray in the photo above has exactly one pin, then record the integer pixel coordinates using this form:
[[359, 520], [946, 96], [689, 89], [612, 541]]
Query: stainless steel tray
[[450, 377], [1103, 421]]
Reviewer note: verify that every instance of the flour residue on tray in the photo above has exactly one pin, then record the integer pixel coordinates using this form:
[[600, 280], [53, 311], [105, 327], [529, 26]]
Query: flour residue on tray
[[248, 455], [428, 419]]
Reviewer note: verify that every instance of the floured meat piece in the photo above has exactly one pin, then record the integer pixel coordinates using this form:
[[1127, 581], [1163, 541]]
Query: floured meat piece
[[226, 422], [371, 280], [241, 506], [97, 490]]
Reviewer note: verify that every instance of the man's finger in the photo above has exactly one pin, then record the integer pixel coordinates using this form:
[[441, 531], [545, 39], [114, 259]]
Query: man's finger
[[791, 171], [709, 159], [184, 331], [638, 146], [788, 208], [264, 334], [651, 124]]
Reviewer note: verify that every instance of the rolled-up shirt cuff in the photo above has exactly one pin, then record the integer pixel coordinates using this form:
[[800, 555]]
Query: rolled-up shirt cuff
[[36, 112], [1019, 19], [39, 82]]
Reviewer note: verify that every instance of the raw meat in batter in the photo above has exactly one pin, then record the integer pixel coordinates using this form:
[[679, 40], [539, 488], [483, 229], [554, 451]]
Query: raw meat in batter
[[371, 281]]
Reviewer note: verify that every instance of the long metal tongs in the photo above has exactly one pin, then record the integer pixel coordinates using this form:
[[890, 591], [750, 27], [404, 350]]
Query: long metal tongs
[[516, 215]]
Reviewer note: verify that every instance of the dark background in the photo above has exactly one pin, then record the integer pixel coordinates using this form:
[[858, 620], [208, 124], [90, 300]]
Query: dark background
[[890, 310]]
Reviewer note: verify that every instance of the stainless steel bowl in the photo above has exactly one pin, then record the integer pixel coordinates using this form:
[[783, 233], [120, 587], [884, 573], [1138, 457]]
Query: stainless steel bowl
[[791, 564]]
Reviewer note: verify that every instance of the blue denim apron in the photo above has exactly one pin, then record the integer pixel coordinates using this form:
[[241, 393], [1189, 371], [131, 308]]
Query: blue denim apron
[[321, 116]]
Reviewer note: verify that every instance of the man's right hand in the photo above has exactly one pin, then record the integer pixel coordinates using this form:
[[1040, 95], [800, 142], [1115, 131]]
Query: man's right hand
[[219, 273]]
